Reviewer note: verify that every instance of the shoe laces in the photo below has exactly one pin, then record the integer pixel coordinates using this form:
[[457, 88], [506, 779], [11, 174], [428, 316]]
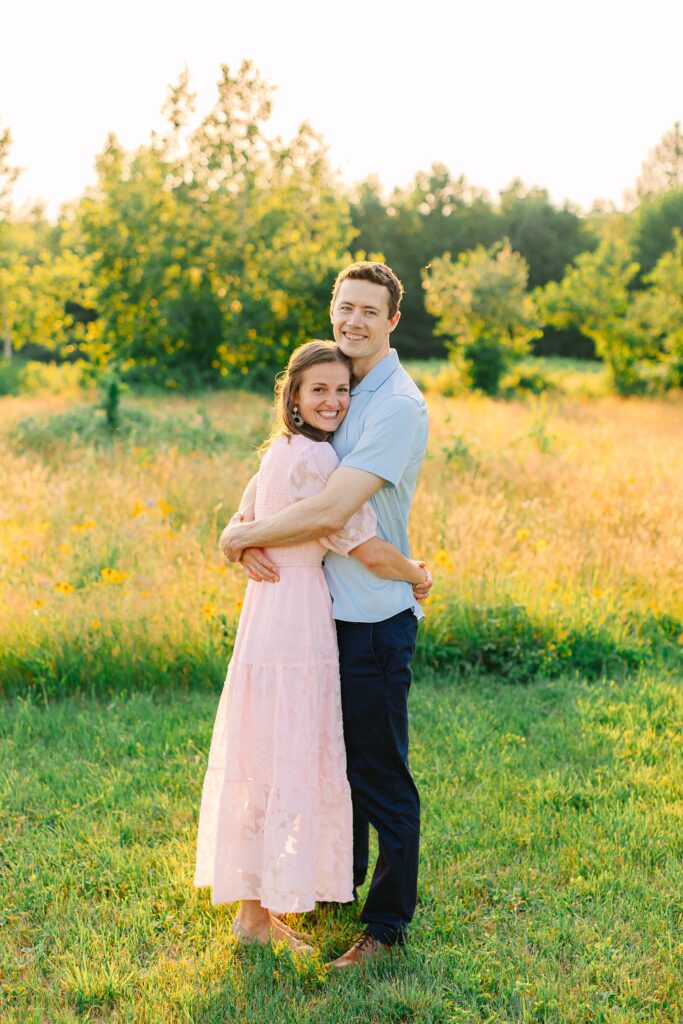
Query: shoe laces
[[364, 941]]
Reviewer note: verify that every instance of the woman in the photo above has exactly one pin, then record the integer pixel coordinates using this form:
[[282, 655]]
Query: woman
[[275, 818]]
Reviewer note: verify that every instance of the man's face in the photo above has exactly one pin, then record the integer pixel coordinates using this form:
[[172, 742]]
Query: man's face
[[361, 323]]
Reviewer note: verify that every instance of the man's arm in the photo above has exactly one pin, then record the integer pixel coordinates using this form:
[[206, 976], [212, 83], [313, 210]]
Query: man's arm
[[346, 490]]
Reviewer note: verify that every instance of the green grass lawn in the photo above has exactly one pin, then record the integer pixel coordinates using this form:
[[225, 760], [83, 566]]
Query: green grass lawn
[[550, 885]]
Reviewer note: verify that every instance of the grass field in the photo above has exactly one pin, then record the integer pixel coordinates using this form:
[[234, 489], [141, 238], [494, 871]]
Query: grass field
[[551, 860], [550, 885]]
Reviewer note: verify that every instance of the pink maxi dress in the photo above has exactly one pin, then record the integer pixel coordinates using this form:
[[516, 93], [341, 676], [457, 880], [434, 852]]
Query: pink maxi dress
[[275, 816]]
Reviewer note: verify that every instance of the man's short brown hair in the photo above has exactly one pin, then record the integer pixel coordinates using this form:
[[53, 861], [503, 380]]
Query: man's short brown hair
[[378, 273]]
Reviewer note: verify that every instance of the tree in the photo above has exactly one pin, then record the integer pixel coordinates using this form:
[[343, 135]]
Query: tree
[[663, 168], [434, 214], [8, 173], [652, 227], [483, 307], [214, 249], [666, 291], [549, 238], [595, 295], [8, 274]]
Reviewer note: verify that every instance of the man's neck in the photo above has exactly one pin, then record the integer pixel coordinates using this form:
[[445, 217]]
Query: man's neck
[[361, 367]]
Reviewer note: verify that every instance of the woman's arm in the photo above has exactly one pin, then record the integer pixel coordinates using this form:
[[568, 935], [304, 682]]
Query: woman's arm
[[387, 562], [245, 512]]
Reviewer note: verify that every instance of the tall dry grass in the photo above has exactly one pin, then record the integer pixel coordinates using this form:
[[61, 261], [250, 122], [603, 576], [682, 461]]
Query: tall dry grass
[[567, 510]]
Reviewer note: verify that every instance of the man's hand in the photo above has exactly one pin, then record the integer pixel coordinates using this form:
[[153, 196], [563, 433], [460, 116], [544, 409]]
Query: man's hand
[[421, 590], [233, 540], [259, 568]]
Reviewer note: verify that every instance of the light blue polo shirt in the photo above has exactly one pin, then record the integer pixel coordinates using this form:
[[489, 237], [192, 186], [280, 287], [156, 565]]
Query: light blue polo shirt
[[385, 433]]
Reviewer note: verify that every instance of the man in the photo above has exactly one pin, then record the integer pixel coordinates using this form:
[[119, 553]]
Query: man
[[381, 445]]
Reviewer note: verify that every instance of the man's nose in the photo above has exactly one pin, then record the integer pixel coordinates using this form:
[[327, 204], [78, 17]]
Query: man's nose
[[355, 317]]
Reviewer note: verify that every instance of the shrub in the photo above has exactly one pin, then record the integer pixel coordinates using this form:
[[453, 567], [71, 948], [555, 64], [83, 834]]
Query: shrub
[[482, 306]]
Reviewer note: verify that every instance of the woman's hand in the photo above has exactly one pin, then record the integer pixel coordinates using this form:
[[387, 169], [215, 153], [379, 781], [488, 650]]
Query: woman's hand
[[258, 566]]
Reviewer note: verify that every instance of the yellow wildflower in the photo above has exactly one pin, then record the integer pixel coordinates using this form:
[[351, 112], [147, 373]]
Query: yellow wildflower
[[164, 507], [443, 560], [38, 604], [65, 548], [87, 524], [209, 610], [95, 623], [109, 575], [138, 509], [522, 535], [63, 587]]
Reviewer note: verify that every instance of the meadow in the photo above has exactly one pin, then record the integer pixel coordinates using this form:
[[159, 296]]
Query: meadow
[[547, 717]]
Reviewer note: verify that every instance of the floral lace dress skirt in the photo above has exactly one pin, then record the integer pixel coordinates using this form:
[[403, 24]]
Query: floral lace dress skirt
[[275, 817]]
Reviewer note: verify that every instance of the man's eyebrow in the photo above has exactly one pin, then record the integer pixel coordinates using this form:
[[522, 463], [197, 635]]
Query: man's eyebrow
[[365, 305]]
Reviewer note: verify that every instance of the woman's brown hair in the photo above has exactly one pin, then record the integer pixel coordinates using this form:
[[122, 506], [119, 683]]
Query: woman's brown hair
[[288, 382]]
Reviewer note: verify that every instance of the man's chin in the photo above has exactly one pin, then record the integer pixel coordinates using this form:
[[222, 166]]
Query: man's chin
[[350, 349]]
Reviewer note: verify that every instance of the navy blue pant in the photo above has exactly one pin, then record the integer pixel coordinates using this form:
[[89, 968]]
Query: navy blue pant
[[374, 660]]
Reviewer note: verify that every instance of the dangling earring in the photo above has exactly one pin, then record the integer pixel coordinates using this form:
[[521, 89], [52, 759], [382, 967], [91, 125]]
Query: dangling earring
[[297, 418]]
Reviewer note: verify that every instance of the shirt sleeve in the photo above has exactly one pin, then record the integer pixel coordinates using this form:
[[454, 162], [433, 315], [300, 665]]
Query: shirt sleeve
[[309, 476], [360, 527], [386, 444]]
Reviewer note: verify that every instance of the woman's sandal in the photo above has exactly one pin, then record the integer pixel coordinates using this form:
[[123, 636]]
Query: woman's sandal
[[295, 943], [242, 935], [281, 923]]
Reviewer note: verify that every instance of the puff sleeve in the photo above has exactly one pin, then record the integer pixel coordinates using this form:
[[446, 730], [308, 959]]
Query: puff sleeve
[[309, 475]]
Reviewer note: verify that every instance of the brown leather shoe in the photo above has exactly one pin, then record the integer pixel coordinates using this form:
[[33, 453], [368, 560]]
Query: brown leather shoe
[[366, 948]]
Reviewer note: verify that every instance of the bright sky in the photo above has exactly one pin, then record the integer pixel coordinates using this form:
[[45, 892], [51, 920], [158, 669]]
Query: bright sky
[[569, 96]]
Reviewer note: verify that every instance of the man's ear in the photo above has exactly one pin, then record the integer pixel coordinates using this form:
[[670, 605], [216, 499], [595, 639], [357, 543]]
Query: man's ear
[[393, 320]]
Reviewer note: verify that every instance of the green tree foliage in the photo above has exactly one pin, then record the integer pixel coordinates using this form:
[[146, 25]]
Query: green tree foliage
[[8, 173], [214, 248], [662, 171], [482, 306], [438, 214], [549, 238], [38, 277], [652, 227], [666, 290], [434, 214], [627, 326]]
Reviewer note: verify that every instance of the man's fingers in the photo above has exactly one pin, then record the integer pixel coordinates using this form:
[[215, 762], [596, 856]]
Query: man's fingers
[[421, 590], [228, 550], [258, 566]]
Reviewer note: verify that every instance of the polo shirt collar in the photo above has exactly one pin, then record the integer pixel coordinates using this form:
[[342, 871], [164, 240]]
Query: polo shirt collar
[[378, 374]]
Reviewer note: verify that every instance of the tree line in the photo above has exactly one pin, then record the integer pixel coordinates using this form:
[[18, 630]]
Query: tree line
[[208, 253]]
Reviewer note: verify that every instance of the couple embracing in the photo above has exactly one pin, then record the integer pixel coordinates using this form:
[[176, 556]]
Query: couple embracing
[[310, 743]]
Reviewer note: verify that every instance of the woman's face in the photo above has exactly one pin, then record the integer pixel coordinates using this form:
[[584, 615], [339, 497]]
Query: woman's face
[[323, 395]]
